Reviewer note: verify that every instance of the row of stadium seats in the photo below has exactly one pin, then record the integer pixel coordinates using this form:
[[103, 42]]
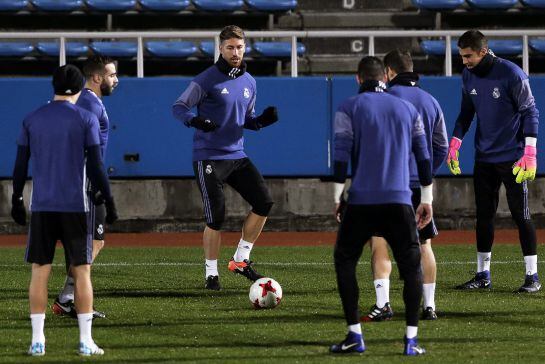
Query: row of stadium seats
[[477, 4], [146, 5], [499, 47], [162, 49]]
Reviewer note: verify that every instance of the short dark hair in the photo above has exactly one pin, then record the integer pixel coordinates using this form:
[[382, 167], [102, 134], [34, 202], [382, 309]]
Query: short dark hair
[[473, 39], [399, 61], [230, 32], [95, 64], [371, 68]]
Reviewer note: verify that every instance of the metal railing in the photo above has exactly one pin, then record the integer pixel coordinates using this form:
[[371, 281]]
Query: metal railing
[[371, 35]]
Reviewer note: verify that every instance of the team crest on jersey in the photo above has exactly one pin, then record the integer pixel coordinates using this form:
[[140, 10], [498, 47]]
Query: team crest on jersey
[[496, 93], [100, 229], [246, 93], [208, 169]]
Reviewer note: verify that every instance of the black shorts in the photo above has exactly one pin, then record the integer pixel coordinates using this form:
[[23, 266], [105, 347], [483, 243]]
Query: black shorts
[[429, 231], [241, 175], [98, 213], [71, 228]]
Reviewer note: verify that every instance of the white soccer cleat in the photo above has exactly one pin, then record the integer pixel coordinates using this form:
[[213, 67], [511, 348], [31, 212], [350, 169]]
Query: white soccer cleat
[[37, 349], [88, 350]]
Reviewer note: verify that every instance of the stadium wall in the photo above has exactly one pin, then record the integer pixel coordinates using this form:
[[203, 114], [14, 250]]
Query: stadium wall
[[292, 153]]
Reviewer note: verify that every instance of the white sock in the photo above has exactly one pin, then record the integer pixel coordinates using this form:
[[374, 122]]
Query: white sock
[[531, 264], [483, 261], [211, 267], [429, 295], [85, 321], [382, 289], [355, 328], [37, 320], [67, 293], [411, 331], [243, 250]]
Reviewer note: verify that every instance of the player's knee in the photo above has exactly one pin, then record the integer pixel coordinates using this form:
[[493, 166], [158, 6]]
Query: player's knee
[[216, 224], [409, 264], [263, 208]]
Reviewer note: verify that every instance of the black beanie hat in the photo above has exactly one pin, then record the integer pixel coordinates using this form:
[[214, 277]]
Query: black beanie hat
[[67, 80]]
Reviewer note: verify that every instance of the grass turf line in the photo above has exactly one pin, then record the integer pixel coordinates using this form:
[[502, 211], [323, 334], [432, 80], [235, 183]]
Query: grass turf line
[[161, 313]]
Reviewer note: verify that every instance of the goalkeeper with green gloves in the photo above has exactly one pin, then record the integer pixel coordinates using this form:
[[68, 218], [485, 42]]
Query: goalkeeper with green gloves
[[498, 91]]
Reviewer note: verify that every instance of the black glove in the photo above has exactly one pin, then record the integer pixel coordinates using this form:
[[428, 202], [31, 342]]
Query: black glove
[[18, 212], [111, 211], [96, 197], [268, 117], [203, 124]]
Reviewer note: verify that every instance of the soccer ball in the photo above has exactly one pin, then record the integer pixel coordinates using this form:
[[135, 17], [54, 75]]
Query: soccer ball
[[265, 293]]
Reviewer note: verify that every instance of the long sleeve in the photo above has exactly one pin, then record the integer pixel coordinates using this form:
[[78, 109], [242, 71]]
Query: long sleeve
[[96, 172], [420, 150], [190, 98], [343, 141], [526, 106], [439, 142], [465, 117], [250, 120], [20, 171]]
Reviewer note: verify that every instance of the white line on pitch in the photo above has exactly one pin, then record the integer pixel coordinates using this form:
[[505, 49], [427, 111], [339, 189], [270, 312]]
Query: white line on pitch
[[189, 264]]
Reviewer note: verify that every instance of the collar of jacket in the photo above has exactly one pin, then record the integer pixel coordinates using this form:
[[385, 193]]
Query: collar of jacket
[[226, 68], [484, 66], [372, 86], [405, 79]]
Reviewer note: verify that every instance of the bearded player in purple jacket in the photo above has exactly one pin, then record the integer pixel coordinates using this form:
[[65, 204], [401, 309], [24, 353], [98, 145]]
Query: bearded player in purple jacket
[[225, 95], [498, 91]]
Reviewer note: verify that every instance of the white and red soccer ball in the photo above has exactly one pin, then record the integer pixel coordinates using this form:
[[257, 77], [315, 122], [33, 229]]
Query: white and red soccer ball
[[265, 293]]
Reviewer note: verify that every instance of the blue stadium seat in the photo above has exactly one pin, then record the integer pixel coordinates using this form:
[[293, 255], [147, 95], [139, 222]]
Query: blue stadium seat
[[73, 49], [437, 47], [207, 48], [115, 48], [164, 5], [271, 5], [500, 47], [171, 49], [536, 4], [13, 5], [15, 49], [57, 5], [492, 4], [537, 45], [438, 4], [110, 5], [218, 5], [277, 49]]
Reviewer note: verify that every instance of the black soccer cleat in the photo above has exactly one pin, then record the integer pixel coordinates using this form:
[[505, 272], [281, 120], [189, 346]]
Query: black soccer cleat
[[68, 308], [245, 268], [429, 314], [213, 283], [379, 314], [480, 281], [531, 284]]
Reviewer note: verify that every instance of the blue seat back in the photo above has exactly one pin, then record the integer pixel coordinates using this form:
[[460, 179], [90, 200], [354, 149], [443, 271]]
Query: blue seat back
[[492, 4], [13, 5], [438, 4], [271, 5], [73, 49], [171, 49], [164, 5], [111, 5], [57, 5], [277, 49], [115, 48], [15, 49], [218, 5]]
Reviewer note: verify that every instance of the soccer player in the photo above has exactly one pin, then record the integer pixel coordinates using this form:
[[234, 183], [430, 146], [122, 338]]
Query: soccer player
[[378, 131], [403, 82], [101, 79], [498, 91], [59, 137], [225, 95]]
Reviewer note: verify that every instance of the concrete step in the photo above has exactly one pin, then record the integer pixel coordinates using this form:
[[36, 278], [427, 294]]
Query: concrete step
[[359, 20], [352, 5]]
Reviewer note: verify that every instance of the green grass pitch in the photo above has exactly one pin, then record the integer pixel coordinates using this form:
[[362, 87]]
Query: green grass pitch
[[158, 311]]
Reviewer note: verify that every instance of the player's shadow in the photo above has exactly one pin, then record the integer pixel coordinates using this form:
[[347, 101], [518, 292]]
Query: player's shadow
[[135, 293]]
